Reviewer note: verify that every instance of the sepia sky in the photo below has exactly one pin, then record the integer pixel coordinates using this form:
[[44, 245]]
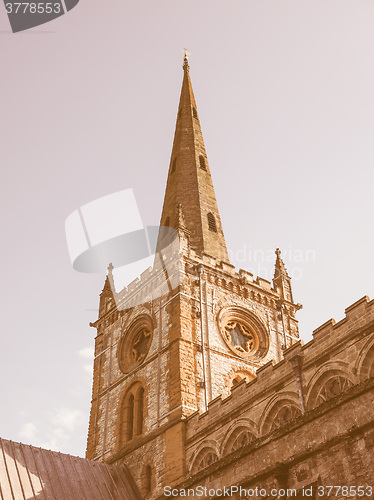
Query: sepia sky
[[285, 98]]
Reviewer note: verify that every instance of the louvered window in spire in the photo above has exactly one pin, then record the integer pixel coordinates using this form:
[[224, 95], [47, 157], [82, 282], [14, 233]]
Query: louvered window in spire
[[212, 223]]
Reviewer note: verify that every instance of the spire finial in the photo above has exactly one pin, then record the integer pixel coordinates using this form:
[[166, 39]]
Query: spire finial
[[280, 268], [110, 268], [185, 59]]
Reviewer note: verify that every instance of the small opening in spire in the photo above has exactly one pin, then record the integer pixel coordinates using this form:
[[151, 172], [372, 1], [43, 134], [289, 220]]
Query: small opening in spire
[[202, 163], [180, 113], [167, 222], [174, 165], [194, 112], [212, 223]]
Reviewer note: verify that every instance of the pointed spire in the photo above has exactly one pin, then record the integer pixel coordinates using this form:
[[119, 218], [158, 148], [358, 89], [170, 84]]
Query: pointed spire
[[281, 280], [109, 280], [107, 293], [189, 181], [280, 268]]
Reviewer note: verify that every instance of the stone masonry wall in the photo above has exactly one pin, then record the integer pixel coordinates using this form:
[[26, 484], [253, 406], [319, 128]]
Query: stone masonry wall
[[308, 419]]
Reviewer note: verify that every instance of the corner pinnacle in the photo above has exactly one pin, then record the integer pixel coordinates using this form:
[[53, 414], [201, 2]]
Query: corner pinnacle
[[280, 268]]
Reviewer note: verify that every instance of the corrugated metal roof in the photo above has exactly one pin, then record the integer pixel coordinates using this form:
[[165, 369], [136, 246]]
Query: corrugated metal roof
[[29, 473]]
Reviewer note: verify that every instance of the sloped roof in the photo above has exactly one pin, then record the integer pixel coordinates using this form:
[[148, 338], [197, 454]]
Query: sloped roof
[[29, 473]]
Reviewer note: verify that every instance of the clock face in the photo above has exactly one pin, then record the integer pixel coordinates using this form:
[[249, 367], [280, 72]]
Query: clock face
[[243, 332], [135, 343]]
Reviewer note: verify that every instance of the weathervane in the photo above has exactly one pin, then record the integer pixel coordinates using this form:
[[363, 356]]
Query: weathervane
[[186, 54]]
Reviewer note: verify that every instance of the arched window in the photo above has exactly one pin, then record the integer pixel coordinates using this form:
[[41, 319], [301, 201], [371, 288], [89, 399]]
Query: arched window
[[194, 112], [205, 458], [130, 417], [140, 412], [148, 479], [212, 223], [282, 413], [167, 222], [236, 380], [333, 387], [285, 416], [241, 376], [202, 163], [132, 413], [329, 385], [367, 363], [240, 437]]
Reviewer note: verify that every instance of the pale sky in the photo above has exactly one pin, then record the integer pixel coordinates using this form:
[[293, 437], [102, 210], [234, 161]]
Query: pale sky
[[285, 98]]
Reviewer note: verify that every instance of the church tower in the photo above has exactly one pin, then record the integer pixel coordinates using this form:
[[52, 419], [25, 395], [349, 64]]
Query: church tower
[[184, 333]]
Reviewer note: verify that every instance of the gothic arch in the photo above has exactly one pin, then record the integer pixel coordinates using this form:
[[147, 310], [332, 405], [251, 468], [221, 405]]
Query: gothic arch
[[204, 455], [328, 382], [131, 415], [239, 434], [365, 363], [281, 410], [235, 376]]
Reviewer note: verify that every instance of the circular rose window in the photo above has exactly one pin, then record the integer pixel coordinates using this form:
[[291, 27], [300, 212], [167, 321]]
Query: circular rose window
[[243, 332], [135, 343]]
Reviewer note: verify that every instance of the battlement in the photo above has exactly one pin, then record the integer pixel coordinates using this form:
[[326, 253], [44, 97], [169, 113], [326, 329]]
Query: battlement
[[355, 315], [275, 379], [243, 282], [152, 282]]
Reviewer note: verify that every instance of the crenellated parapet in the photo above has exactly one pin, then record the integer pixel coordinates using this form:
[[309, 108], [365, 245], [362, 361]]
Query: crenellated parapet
[[182, 268], [332, 368]]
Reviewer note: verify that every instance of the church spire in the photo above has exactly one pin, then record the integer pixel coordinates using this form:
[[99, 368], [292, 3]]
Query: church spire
[[189, 182]]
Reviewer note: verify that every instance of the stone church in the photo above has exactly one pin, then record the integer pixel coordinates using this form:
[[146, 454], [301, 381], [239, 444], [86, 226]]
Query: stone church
[[201, 386], [200, 378]]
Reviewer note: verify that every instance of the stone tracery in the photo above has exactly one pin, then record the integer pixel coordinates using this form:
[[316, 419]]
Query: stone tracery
[[333, 387], [206, 457]]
